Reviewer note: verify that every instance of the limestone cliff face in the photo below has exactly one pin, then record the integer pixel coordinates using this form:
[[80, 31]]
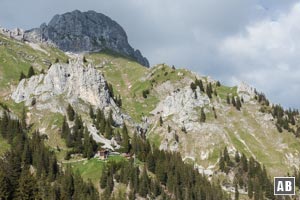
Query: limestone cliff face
[[71, 83], [85, 32]]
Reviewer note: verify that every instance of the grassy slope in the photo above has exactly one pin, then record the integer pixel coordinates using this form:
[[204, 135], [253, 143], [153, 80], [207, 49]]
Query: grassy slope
[[92, 169], [125, 76], [17, 57], [262, 140]]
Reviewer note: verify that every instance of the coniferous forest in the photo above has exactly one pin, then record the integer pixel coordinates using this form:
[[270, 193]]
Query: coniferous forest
[[30, 170]]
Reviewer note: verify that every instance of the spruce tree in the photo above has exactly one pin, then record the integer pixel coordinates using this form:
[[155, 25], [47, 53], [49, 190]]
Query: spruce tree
[[22, 76], [88, 147], [151, 162], [236, 194], [144, 183], [108, 131], [67, 184], [228, 99], [233, 101], [209, 90], [199, 84], [23, 118], [226, 155], [250, 188], [237, 157], [5, 186], [202, 116], [27, 186], [91, 112], [222, 163], [238, 104], [215, 113], [125, 139], [193, 86], [160, 121], [70, 112], [30, 72]]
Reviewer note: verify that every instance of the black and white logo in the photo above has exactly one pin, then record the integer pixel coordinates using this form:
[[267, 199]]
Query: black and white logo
[[284, 185]]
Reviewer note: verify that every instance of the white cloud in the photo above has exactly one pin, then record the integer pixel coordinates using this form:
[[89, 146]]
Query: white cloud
[[267, 55]]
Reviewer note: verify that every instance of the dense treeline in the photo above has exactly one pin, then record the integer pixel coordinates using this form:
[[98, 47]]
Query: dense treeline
[[103, 124], [285, 119], [78, 138], [171, 178], [248, 175], [30, 170]]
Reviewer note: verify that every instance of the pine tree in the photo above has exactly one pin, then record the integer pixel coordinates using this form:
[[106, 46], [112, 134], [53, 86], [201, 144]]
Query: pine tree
[[27, 186], [22, 76], [244, 163], [228, 99], [237, 157], [238, 104], [233, 101], [91, 112], [250, 188], [215, 113], [23, 118], [84, 59], [88, 151], [70, 112], [4, 125], [222, 163], [236, 195], [67, 184], [151, 162], [125, 139], [160, 121], [202, 116], [209, 90], [144, 183], [199, 84], [30, 72], [108, 131], [193, 86], [27, 155], [5, 186], [226, 155]]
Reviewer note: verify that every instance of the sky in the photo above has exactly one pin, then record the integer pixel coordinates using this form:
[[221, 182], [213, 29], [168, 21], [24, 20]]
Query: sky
[[255, 41]]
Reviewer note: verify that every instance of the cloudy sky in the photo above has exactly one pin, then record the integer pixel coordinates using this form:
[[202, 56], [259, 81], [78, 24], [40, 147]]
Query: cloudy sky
[[256, 41]]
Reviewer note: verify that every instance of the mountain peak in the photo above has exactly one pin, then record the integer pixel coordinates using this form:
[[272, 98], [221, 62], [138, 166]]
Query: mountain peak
[[89, 31]]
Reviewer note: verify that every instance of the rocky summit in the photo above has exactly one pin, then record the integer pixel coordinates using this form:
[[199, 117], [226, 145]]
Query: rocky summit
[[85, 32]]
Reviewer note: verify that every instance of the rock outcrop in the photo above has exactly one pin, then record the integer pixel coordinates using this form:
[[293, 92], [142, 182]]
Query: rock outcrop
[[245, 91], [182, 105], [85, 32], [16, 33], [71, 83]]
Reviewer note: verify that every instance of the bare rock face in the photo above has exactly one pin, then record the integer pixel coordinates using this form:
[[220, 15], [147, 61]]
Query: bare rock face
[[245, 91], [71, 83], [16, 33], [85, 32], [182, 104]]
